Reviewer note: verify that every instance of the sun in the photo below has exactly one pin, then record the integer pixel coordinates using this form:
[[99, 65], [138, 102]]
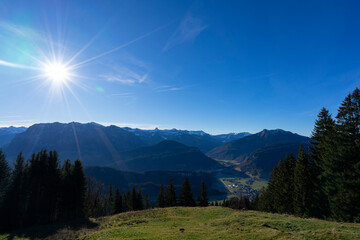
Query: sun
[[58, 73]]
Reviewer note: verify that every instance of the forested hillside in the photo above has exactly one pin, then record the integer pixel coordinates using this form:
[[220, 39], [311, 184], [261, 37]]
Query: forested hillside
[[325, 183]]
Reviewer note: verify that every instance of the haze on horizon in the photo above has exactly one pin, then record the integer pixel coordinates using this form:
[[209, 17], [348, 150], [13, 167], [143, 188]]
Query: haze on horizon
[[214, 66]]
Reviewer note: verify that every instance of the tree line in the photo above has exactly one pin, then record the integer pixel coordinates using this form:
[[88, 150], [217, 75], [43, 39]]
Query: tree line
[[100, 202], [326, 182], [40, 190], [168, 197]]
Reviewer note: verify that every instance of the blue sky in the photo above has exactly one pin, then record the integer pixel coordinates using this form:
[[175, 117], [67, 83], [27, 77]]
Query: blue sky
[[217, 66]]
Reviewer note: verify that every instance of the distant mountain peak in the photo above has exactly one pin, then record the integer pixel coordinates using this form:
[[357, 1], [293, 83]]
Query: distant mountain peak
[[273, 131]]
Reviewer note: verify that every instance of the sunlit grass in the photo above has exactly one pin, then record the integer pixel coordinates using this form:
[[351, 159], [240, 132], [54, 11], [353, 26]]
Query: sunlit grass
[[201, 223], [217, 223]]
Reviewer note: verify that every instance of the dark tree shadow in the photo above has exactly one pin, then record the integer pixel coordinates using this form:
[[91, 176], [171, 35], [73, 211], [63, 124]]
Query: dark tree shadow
[[61, 230]]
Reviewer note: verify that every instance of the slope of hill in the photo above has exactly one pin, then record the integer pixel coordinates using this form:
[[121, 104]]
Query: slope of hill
[[166, 155], [204, 141], [8, 133], [94, 144], [262, 161], [197, 223], [259, 153], [150, 181]]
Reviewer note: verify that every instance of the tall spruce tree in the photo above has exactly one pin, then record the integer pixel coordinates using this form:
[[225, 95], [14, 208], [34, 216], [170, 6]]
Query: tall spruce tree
[[79, 181], [13, 211], [203, 198], [302, 185], [170, 197], [278, 197], [5, 172], [146, 201], [160, 202], [110, 200], [117, 202], [186, 195], [52, 185], [65, 201], [344, 202], [125, 202], [134, 200], [323, 154], [139, 199], [129, 204]]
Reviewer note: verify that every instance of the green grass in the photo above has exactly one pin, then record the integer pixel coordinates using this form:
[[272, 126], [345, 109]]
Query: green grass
[[258, 185], [227, 163], [243, 181], [211, 223]]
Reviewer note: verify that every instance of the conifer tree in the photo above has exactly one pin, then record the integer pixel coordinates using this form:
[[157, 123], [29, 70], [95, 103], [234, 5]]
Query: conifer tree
[[344, 202], [302, 185], [125, 202], [14, 205], [129, 201], [278, 196], [79, 181], [203, 199], [117, 202], [288, 181], [160, 202], [323, 154], [4, 176], [280, 188], [146, 201], [139, 199], [134, 200], [186, 196], [109, 200], [52, 184], [65, 201], [170, 197]]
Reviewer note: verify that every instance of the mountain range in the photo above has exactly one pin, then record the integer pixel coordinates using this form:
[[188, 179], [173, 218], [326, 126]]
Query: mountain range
[[139, 150], [202, 140]]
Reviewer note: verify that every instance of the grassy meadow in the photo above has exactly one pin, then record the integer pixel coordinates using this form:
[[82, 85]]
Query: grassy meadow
[[197, 223]]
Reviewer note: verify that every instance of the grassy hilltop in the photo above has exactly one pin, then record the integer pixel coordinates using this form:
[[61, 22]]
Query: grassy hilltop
[[198, 223]]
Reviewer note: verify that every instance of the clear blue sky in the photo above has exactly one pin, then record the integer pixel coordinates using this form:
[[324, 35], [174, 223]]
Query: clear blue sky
[[217, 66]]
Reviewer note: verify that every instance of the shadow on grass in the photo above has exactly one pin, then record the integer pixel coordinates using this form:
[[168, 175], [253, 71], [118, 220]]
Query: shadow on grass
[[62, 230]]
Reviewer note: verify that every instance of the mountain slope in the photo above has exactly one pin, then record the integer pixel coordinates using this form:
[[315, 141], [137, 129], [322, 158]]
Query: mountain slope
[[94, 144], [259, 153], [8, 133], [166, 155], [262, 161]]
